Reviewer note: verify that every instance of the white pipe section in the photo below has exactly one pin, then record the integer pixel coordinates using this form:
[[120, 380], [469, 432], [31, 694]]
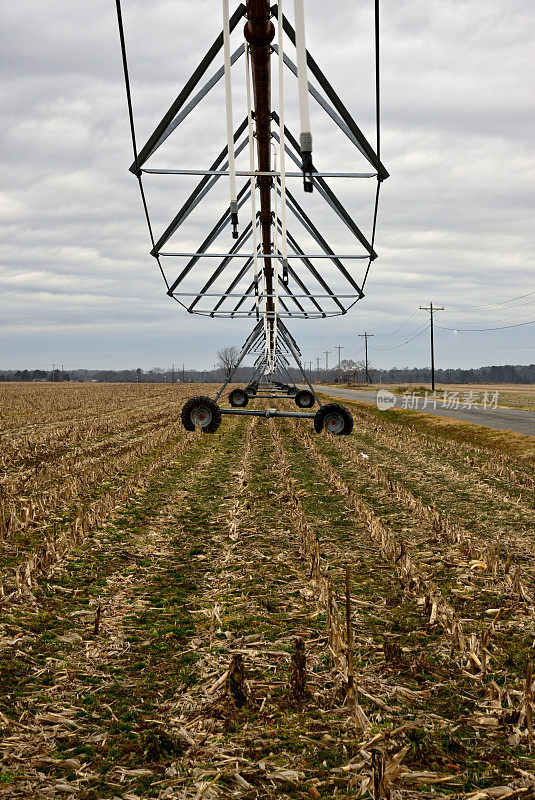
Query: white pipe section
[[266, 337], [275, 211], [252, 167], [302, 79], [275, 247], [228, 99], [275, 263], [282, 137]]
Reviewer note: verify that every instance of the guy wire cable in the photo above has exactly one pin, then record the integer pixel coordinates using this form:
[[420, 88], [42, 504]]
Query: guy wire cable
[[377, 134], [133, 130]]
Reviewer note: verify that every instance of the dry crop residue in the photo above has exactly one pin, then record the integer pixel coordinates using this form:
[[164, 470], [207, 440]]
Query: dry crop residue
[[174, 607]]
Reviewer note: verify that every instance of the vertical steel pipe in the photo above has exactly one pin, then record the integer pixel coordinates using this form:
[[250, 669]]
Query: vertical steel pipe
[[259, 33]]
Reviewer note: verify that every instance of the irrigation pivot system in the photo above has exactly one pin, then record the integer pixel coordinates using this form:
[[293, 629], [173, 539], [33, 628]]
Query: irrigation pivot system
[[261, 270]]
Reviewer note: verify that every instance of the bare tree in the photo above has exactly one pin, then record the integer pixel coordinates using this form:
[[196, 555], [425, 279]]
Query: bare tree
[[227, 360], [350, 369], [361, 368]]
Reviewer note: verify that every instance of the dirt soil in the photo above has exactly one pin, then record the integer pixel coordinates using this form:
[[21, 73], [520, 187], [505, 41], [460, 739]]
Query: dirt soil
[[261, 612]]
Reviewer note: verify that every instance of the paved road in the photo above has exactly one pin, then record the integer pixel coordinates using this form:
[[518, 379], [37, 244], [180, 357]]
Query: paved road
[[503, 419]]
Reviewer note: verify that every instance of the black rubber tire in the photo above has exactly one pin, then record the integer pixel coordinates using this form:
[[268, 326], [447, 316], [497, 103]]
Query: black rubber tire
[[292, 391], [250, 390], [346, 419], [238, 398], [188, 411], [304, 399]]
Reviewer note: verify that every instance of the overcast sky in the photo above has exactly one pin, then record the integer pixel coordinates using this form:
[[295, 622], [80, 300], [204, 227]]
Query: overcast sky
[[456, 217]]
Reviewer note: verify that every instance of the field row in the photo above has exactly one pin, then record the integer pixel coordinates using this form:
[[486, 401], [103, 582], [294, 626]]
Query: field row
[[270, 613]]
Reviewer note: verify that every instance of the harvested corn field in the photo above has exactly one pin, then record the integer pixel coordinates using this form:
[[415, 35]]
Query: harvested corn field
[[264, 612]]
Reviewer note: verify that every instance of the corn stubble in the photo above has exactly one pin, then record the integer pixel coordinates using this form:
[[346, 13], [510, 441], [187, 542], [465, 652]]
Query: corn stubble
[[262, 612]]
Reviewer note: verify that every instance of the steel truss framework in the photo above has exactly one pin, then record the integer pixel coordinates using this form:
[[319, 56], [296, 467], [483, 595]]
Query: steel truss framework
[[289, 284], [278, 371]]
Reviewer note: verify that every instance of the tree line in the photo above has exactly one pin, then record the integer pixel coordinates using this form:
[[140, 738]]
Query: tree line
[[507, 373], [350, 371]]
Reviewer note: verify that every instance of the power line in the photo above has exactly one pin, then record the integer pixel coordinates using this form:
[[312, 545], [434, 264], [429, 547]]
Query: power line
[[504, 319], [384, 349], [491, 305], [474, 330], [461, 309], [387, 335], [491, 310]]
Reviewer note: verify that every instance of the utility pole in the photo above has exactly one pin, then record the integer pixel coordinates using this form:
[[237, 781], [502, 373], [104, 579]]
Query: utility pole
[[53, 372], [431, 311], [317, 368], [173, 374], [339, 347], [366, 336], [326, 363], [183, 375]]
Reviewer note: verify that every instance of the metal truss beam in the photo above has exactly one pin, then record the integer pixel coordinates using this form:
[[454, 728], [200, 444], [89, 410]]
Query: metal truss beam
[[246, 267], [249, 342], [365, 146], [330, 111], [200, 191], [154, 139], [243, 196], [309, 226], [244, 236], [324, 190], [221, 173]]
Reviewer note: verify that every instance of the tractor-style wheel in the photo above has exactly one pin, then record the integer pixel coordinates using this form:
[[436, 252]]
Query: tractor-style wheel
[[335, 418], [238, 398], [201, 412], [304, 399], [291, 391], [251, 390]]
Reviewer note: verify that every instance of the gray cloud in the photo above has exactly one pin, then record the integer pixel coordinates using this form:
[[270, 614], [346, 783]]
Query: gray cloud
[[455, 220]]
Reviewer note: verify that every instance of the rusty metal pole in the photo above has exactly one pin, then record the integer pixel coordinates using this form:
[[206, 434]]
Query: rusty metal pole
[[259, 33]]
